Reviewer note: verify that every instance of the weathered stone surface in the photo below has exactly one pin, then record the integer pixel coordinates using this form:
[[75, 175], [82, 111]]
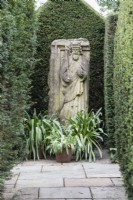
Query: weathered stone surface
[[9, 188], [88, 182], [28, 191], [117, 181], [24, 197], [75, 171], [51, 199], [12, 179], [8, 196], [108, 192], [64, 192], [102, 170], [56, 182], [26, 194], [72, 176], [68, 77], [40, 162], [27, 169]]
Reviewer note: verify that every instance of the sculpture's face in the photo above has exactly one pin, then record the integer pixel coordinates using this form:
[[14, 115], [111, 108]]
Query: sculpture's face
[[75, 54]]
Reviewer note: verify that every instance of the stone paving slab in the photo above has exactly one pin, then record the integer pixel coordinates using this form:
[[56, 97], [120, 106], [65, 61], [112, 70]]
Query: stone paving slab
[[31, 176], [66, 192], [40, 162], [64, 171], [27, 169], [40, 183], [10, 188], [8, 196], [24, 197], [12, 179], [29, 191], [101, 170], [108, 192], [88, 182], [117, 181], [68, 181]]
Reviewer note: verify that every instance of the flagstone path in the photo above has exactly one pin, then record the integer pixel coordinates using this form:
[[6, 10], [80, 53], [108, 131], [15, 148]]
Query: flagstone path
[[49, 180]]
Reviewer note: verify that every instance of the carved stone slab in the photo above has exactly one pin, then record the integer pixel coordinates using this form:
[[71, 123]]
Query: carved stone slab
[[68, 77]]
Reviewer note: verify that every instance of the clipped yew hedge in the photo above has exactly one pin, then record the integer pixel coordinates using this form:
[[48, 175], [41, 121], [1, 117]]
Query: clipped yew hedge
[[17, 49], [123, 92], [67, 20], [110, 27]]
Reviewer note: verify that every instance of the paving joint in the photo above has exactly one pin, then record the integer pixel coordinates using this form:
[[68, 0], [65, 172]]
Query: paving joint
[[64, 182], [84, 171], [91, 193], [38, 192], [41, 168], [16, 180]]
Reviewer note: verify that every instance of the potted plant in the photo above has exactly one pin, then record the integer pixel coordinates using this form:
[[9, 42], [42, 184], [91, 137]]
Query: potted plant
[[60, 142]]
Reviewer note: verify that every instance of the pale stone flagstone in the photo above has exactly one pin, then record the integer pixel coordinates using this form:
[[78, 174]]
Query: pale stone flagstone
[[108, 192], [117, 181], [75, 171], [66, 192], [102, 170], [88, 182], [27, 169], [48, 180], [40, 183]]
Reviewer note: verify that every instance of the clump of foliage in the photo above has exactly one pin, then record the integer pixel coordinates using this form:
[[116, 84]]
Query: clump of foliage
[[68, 20], [112, 5], [113, 155], [85, 127], [35, 131], [82, 133], [17, 49], [123, 92], [110, 27], [60, 138]]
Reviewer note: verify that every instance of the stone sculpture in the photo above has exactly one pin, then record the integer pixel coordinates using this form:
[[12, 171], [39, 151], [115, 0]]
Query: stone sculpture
[[68, 77]]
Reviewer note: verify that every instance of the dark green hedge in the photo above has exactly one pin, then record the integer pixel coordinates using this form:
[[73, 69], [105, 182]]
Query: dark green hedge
[[66, 20], [110, 27], [123, 92], [17, 49]]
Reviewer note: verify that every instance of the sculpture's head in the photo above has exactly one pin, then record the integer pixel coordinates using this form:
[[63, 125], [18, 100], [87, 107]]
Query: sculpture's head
[[76, 51]]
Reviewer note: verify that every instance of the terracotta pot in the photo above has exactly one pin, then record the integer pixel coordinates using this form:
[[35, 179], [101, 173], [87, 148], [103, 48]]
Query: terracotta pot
[[63, 157]]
